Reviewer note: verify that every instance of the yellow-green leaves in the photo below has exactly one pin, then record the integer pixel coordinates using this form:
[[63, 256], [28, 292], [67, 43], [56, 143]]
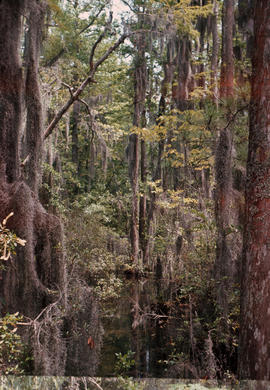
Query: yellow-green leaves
[[54, 5], [8, 240], [12, 355], [185, 15], [188, 139]]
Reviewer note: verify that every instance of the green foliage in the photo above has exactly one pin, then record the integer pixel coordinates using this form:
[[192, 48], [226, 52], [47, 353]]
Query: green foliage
[[185, 14], [94, 259], [189, 129], [173, 358], [8, 240], [13, 357], [102, 268], [108, 207], [51, 191], [124, 363]]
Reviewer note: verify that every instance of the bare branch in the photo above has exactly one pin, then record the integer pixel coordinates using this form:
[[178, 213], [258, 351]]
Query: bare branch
[[92, 20], [87, 107], [63, 50], [234, 115], [77, 93], [92, 380], [102, 35], [25, 161], [129, 6], [69, 88], [110, 50], [53, 60]]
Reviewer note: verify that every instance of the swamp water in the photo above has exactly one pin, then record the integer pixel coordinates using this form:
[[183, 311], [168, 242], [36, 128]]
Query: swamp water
[[138, 332], [140, 305]]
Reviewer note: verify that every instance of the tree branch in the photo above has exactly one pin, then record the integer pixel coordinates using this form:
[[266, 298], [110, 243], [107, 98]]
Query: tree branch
[[129, 6], [110, 50], [92, 20], [92, 380], [234, 115], [63, 50], [102, 35], [69, 88], [53, 60], [88, 80], [87, 107]]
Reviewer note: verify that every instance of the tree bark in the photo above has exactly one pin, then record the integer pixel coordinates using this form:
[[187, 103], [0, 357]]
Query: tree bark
[[180, 94], [254, 356], [31, 282], [134, 142], [227, 64], [180, 89], [223, 166], [215, 50], [245, 23], [74, 133], [11, 84], [34, 120], [168, 68], [143, 216]]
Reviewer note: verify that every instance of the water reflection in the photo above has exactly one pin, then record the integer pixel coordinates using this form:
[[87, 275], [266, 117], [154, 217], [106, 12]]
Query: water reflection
[[140, 323]]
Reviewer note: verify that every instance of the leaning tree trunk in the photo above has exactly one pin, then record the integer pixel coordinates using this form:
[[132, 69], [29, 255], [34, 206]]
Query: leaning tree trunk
[[35, 277], [223, 165], [254, 357]]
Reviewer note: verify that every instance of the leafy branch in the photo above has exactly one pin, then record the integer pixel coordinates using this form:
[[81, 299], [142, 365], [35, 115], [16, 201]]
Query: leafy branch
[[8, 240]]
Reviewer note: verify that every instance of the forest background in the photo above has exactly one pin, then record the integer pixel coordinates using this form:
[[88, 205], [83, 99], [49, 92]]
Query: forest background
[[132, 133]]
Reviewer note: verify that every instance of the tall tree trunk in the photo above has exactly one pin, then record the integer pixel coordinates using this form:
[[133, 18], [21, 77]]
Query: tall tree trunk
[[180, 94], [223, 161], [254, 357], [134, 180], [74, 133], [245, 22], [32, 281], [142, 219], [134, 142], [11, 84], [227, 64], [180, 89], [168, 68], [215, 50], [201, 27], [32, 94]]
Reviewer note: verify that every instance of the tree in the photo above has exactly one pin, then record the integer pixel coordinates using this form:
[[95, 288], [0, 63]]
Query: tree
[[134, 142], [255, 317], [223, 196], [38, 272]]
